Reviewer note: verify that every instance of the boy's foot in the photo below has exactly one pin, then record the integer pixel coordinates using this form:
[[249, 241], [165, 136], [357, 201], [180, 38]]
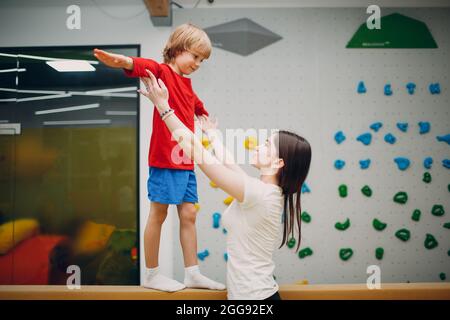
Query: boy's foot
[[154, 280], [194, 279]]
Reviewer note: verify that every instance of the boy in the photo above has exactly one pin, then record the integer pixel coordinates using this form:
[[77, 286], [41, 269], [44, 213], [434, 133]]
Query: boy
[[171, 179]]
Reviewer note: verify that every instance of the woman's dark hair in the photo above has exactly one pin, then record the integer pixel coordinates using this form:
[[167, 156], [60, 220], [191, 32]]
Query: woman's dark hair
[[296, 154]]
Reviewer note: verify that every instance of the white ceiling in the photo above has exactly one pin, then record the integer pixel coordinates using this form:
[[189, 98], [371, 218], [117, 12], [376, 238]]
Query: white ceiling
[[310, 3]]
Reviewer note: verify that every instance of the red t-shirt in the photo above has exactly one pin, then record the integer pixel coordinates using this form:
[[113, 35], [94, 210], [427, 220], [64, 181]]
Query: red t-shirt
[[165, 152]]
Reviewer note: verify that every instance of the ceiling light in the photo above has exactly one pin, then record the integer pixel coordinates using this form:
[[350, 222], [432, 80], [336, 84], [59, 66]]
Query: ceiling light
[[71, 65]]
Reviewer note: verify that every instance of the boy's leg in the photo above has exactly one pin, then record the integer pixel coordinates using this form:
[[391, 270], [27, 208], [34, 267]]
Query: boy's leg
[[188, 238], [152, 234], [187, 212]]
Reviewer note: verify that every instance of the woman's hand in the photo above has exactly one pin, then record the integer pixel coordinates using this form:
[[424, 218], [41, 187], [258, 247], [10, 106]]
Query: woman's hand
[[156, 91], [201, 118], [208, 124]]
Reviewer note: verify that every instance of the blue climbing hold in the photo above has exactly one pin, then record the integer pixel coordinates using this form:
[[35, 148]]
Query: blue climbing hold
[[402, 163], [424, 127], [224, 231], [376, 126], [428, 162], [339, 164], [445, 138], [339, 137], [387, 90], [216, 220], [411, 86], [446, 163], [202, 255], [364, 164], [390, 138], [365, 138], [305, 188], [434, 88], [361, 87], [402, 126], [225, 256]]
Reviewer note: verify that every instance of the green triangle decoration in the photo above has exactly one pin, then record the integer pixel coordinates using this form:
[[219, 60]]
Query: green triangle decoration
[[397, 31]]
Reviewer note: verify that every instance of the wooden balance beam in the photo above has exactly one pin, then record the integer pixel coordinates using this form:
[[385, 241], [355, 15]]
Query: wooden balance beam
[[392, 291]]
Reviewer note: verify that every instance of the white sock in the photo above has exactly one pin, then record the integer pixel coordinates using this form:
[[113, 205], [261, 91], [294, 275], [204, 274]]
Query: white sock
[[154, 280], [194, 279]]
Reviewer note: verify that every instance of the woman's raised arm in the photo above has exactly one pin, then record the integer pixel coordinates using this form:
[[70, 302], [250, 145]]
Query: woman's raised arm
[[228, 180], [209, 127]]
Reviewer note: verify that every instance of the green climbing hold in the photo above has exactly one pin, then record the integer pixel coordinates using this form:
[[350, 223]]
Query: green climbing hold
[[401, 197], [416, 215], [426, 177], [378, 225], [403, 234], [379, 253], [306, 217], [343, 190], [437, 210], [430, 242], [291, 243], [448, 187], [448, 253], [342, 226], [442, 276], [447, 225], [345, 253], [366, 191], [305, 253]]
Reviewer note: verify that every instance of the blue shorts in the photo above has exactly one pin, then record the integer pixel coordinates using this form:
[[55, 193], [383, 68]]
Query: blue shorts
[[171, 186]]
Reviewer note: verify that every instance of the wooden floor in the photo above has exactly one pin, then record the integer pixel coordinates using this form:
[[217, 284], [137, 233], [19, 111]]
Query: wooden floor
[[406, 291]]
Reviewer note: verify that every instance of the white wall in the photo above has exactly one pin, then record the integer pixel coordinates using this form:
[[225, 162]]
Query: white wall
[[306, 82]]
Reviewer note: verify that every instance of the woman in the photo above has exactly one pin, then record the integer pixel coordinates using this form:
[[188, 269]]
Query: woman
[[261, 207]]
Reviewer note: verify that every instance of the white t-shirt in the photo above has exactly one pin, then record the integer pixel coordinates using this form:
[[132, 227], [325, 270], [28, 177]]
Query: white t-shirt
[[253, 232]]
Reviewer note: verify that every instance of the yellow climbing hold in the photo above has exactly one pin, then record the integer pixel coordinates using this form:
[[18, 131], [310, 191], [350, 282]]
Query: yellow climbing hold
[[205, 142], [250, 143], [228, 200], [212, 184], [197, 206], [302, 282]]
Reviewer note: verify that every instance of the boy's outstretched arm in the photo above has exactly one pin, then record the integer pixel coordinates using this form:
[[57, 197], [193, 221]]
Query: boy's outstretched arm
[[228, 180], [134, 66], [114, 60]]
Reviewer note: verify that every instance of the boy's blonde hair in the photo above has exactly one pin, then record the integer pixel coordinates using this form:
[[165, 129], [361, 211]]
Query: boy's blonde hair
[[187, 37]]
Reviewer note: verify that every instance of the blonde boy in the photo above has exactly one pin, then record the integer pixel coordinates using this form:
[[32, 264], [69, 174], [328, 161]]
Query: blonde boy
[[171, 174]]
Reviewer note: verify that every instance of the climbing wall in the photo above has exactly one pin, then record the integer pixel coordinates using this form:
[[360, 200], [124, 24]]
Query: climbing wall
[[308, 82]]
